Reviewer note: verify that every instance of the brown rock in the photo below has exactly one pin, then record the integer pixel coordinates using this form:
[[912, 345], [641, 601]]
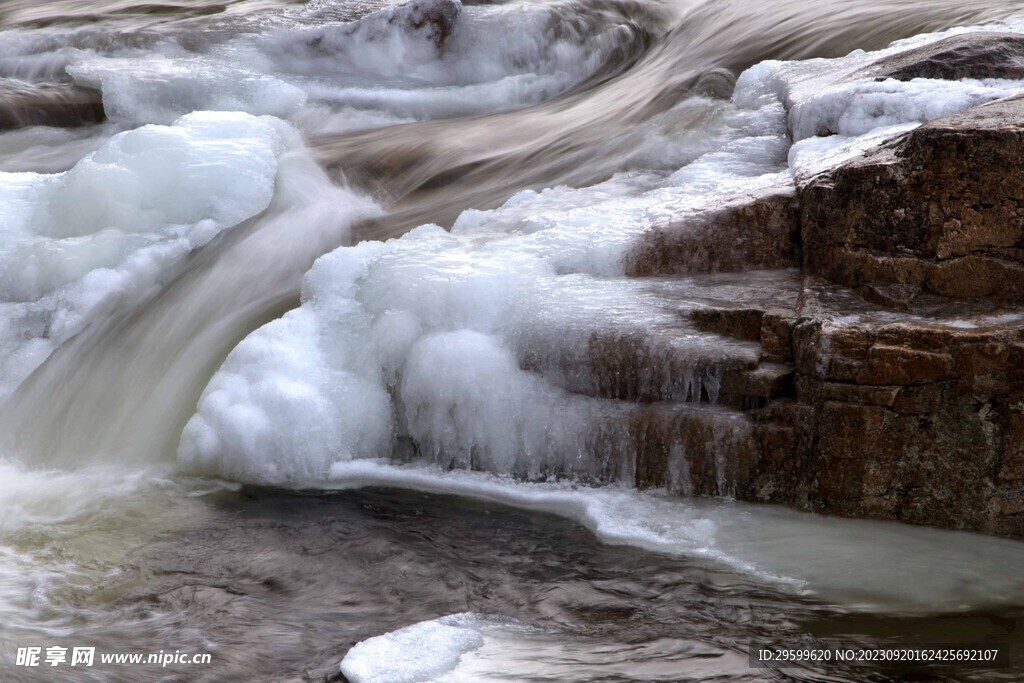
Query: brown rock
[[740, 323], [900, 365], [743, 233], [939, 208]]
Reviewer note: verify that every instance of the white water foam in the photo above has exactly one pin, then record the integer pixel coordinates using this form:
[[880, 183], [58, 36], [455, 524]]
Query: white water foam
[[419, 60]]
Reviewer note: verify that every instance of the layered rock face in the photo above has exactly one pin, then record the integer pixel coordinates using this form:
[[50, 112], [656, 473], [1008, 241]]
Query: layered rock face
[[917, 416], [889, 380], [940, 209], [910, 394]]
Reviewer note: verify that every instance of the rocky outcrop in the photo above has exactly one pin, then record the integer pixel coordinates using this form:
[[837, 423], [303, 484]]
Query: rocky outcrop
[[890, 383], [979, 55], [939, 209], [918, 418], [908, 348]]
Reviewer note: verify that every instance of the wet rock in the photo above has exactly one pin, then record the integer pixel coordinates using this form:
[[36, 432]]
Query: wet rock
[[437, 17], [758, 386], [741, 323], [772, 327], [42, 104], [693, 451], [939, 209]]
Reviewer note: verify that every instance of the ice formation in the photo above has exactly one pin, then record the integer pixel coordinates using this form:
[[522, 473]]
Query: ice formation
[[76, 244], [420, 337]]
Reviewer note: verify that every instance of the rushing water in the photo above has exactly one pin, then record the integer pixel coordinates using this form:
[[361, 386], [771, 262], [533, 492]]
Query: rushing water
[[154, 355]]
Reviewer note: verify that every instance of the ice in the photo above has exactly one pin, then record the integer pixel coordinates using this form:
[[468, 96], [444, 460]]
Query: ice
[[335, 406], [159, 89], [834, 115], [421, 652], [811, 156], [436, 58], [836, 110], [857, 108], [76, 243], [421, 339]]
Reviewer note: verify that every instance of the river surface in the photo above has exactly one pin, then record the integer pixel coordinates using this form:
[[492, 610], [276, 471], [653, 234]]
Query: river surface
[[283, 341]]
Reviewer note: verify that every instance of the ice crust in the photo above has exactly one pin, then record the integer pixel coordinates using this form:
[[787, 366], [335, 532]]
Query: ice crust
[[862, 564]]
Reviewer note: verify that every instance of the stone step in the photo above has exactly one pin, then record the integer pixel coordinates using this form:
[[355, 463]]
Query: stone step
[[682, 365], [643, 340], [738, 234], [693, 449], [755, 388]]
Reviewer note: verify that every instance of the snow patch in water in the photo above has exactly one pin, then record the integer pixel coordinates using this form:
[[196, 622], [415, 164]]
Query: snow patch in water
[[421, 652]]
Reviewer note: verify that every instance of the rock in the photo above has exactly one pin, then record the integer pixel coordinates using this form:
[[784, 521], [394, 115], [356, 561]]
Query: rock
[[693, 451], [48, 104], [891, 385], [912, 416], [742, 233], [983, 54], [438, 17], [740, 323], [939, 209], [432, 20]]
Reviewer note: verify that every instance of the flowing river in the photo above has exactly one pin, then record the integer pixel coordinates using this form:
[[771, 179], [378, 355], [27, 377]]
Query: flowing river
[[293, 297]]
